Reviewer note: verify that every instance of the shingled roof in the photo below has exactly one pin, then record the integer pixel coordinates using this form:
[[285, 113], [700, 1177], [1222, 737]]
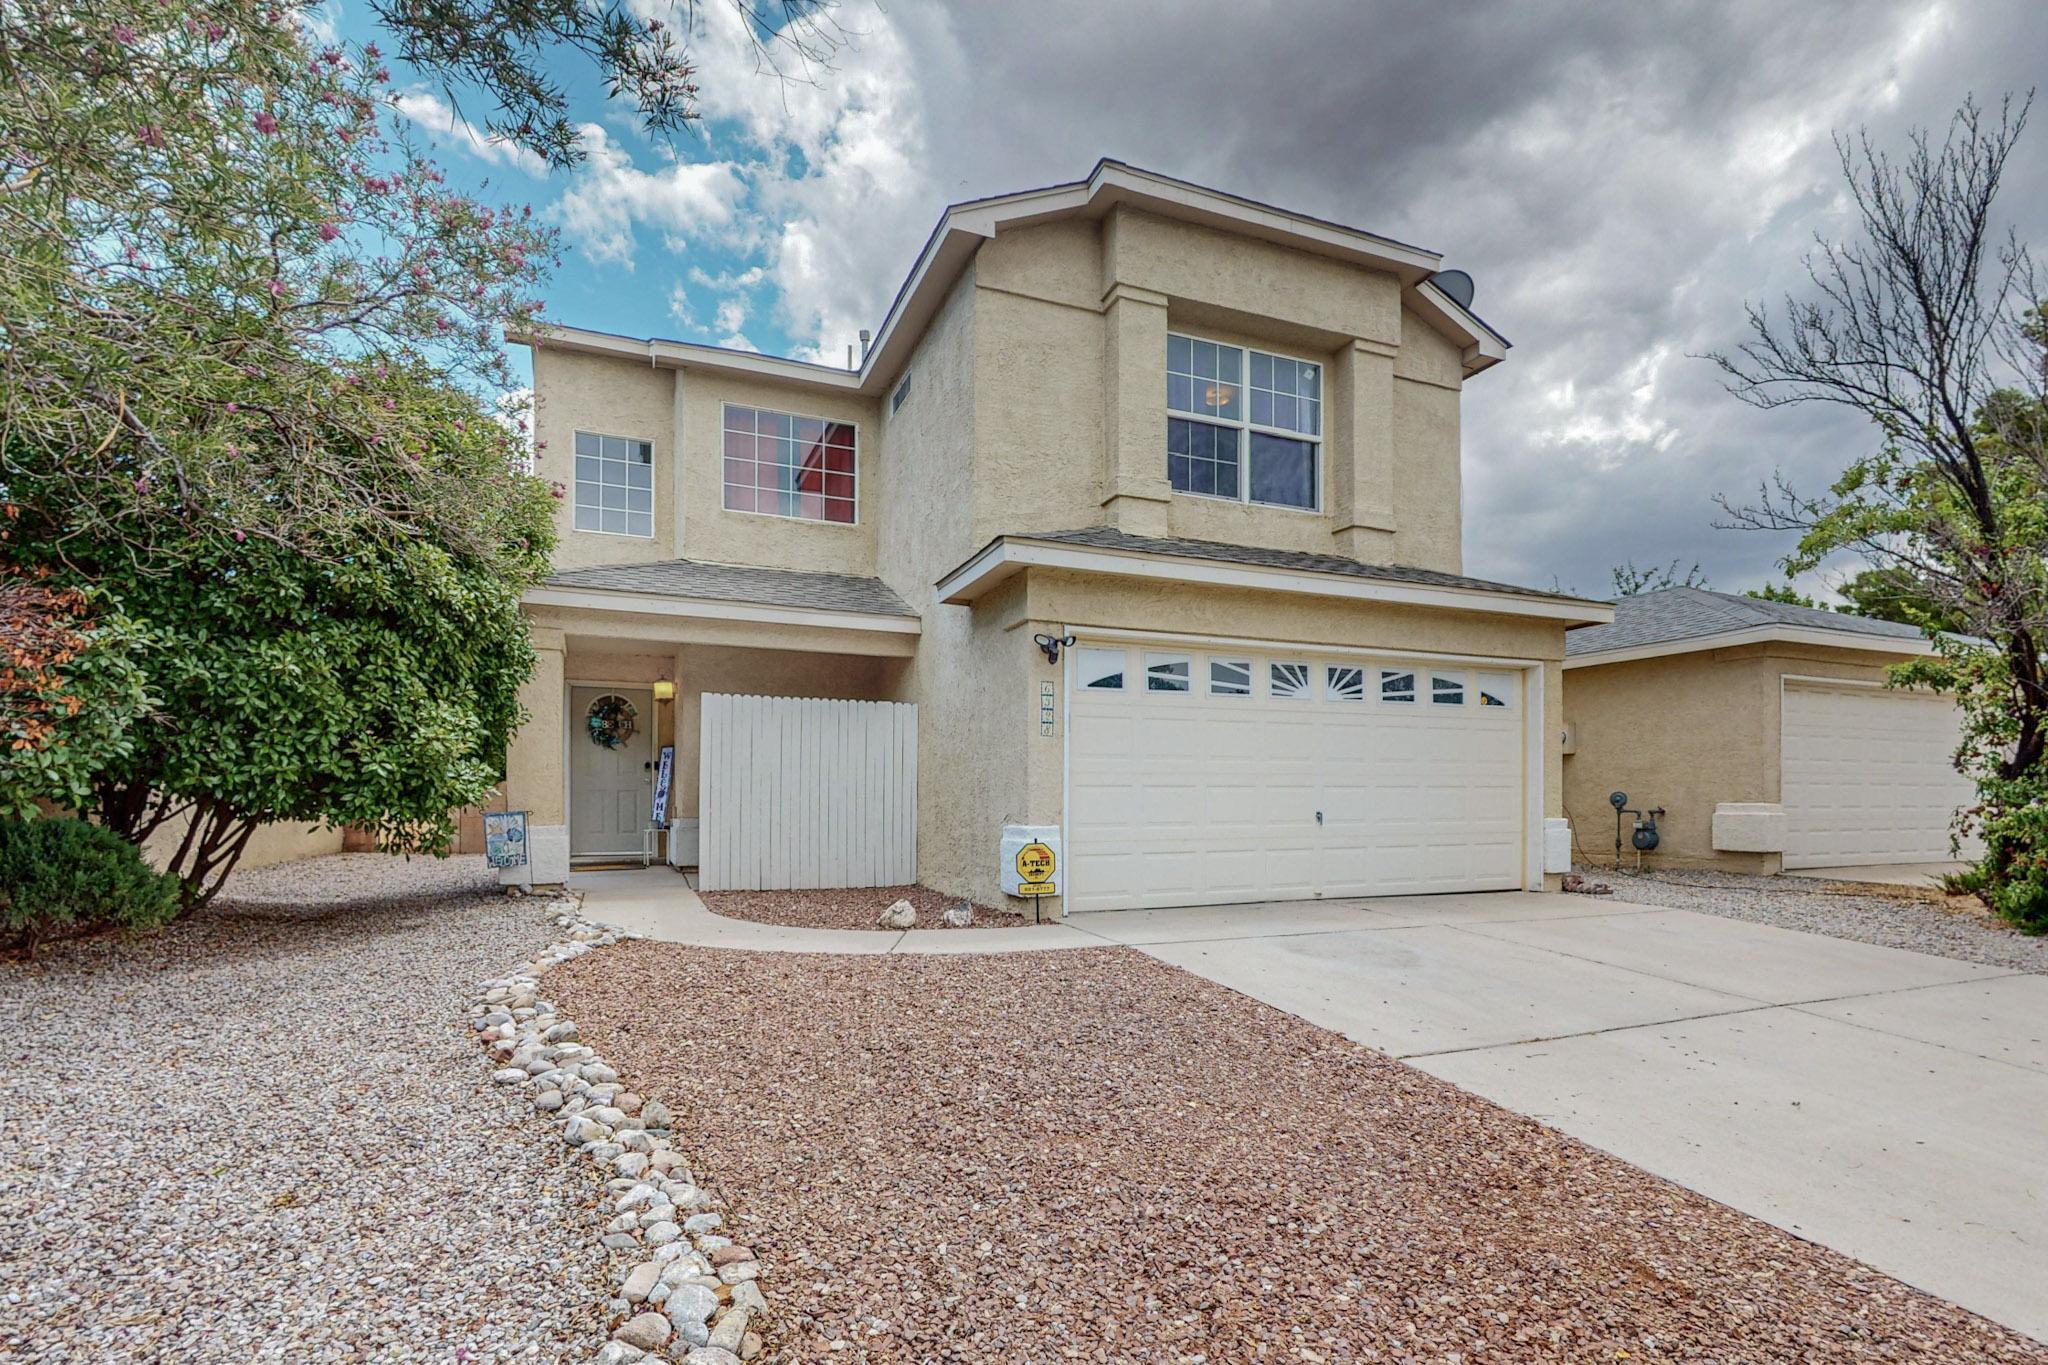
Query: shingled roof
[[740, 583], [1674, 614], [1300, 561]]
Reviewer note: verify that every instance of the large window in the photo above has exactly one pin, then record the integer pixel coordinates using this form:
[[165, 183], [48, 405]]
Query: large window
[[1243, 424], [614, 485], [788, 466]]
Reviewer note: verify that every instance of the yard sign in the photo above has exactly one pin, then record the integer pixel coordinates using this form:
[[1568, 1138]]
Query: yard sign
[[505, 838]]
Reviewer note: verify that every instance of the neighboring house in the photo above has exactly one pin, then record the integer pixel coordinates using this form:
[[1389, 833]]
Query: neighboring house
[[1765, 731], [1204, 449]]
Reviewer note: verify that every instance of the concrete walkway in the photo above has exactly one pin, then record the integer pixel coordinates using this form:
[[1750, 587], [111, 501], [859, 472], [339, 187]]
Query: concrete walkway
[[1888, 1104]]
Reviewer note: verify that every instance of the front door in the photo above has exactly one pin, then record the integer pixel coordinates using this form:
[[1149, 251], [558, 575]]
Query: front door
[[611, 771]]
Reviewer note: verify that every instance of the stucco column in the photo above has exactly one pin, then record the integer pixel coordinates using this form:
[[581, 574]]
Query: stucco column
[[534, 776], [1134, 486], [1361, 433]]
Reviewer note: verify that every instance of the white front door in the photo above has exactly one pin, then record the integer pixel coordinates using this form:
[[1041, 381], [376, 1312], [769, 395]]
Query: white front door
[[1199, 777], [611, 770], [1869, 777]]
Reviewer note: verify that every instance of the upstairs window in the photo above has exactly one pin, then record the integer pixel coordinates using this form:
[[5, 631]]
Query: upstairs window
[[614, 485], [1243, 424], [788, 466]]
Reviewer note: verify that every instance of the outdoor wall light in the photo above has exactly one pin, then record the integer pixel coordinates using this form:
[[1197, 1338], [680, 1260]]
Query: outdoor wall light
[[664, 690], [1051, 645]]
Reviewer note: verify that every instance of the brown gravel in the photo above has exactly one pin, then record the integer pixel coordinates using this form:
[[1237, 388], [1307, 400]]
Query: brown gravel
[[849, 907], [1091, 1155]]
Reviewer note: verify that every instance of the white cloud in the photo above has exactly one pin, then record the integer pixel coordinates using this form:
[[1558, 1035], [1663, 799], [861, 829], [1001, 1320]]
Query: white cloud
[[738, 279], [609, 196], [679, 306], [431, 112], [732, 315], [322, 22], [842, 169]]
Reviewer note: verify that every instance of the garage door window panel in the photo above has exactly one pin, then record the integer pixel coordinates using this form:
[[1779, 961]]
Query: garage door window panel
[[1447, 689], [1170, 673], [1397, 685], [1343, 682], [1289, 681], [1230, 677], [1102, 670], [1496, 689]]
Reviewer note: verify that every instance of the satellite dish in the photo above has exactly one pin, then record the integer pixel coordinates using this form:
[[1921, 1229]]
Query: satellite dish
[[1456, 283]]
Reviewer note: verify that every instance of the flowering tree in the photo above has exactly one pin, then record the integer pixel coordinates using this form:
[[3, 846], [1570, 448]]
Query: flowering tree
[[250, 335], [70, 692]]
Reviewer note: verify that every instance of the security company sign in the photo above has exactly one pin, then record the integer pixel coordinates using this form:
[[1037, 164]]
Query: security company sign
[[1036, 865]]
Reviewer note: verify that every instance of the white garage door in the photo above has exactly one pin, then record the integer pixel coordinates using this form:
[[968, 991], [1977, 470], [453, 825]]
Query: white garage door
[[1868, 776], [1201, 779]]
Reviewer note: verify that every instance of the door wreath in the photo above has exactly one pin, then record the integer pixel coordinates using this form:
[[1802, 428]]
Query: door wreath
[[611, 721]]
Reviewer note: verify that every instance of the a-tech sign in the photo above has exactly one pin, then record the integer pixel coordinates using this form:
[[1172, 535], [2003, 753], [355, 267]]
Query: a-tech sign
[[1031, 860]]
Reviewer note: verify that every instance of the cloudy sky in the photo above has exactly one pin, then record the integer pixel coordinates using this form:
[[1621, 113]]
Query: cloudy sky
[[1618, 178]]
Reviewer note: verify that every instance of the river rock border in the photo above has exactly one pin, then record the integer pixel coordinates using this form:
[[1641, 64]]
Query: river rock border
[[691, 1293]]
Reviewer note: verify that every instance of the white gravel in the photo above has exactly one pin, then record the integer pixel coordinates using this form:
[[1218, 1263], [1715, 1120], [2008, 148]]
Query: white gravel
[[265, 1135], [1962, 931]]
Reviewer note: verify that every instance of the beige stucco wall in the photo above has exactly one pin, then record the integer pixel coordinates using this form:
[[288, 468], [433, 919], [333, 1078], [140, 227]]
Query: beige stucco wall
[[1686, 732], [612, 397], [709, 531], [283, 842]]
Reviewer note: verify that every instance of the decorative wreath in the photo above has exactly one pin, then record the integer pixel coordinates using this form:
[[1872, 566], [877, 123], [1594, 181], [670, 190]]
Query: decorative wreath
[[611, 721]]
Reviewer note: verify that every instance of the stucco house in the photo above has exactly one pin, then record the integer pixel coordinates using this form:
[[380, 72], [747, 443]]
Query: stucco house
[[1764, 730], [1144, 496]]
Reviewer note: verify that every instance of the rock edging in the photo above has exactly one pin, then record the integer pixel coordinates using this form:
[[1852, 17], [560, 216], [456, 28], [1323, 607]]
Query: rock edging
[[692, 1294]]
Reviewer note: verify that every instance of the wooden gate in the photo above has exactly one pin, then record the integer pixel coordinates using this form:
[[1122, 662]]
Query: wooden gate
[[795, 792]]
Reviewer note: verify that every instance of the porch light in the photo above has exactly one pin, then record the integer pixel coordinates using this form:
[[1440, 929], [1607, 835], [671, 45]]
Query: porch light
[[664, 690]]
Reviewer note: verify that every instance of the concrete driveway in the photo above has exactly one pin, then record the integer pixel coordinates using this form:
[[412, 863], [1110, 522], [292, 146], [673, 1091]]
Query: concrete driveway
[[1891, 1105]]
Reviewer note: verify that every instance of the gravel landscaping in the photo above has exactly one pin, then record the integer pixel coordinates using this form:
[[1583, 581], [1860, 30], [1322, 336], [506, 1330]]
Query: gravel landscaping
[[1092, 1155], [266, 1134], [1924, 922], [851, 908]]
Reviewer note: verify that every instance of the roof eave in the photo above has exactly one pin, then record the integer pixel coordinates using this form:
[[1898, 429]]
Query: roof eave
[[1006, 556], [1756, 635], [963, 227]]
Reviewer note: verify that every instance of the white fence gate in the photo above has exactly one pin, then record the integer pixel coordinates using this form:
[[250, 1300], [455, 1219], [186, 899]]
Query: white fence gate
[[794, 792]]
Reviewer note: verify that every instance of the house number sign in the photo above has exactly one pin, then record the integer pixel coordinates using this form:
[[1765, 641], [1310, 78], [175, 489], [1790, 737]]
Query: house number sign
[[1047, 705]]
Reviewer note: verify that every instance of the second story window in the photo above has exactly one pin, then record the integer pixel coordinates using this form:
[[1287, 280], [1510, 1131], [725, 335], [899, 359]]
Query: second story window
[[614, 485], [788, 466], [1242, 423]]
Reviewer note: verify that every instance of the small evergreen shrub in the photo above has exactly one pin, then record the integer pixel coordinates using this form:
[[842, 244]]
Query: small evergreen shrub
[[66, 876]]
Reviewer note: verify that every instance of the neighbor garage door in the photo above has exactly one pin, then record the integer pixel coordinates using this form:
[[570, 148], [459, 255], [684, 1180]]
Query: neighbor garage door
[[1199, 779], [1868, 776]]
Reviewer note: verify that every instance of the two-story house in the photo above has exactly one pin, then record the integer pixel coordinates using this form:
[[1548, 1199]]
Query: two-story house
[[1146, 496]]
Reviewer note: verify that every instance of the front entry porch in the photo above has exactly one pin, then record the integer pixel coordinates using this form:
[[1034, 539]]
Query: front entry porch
[[620, 680]]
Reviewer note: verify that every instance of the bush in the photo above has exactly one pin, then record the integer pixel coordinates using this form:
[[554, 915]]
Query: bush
[[2013, 876], [59, 876]]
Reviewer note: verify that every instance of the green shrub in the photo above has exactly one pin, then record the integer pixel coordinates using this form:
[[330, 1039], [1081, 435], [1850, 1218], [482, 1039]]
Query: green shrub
[[2013, 876], [59, 876]]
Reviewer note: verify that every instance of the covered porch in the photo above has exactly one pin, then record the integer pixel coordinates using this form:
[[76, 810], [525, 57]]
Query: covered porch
[[625, 657]]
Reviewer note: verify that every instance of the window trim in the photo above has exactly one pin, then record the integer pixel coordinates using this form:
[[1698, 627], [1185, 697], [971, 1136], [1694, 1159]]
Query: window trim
[[1308, 680], [1123, 673], [1383, 672], [1149, 659], [785, 518], [1245, 428], [1251, 676], [1332, 692], [1505, 688], [653, 485]]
